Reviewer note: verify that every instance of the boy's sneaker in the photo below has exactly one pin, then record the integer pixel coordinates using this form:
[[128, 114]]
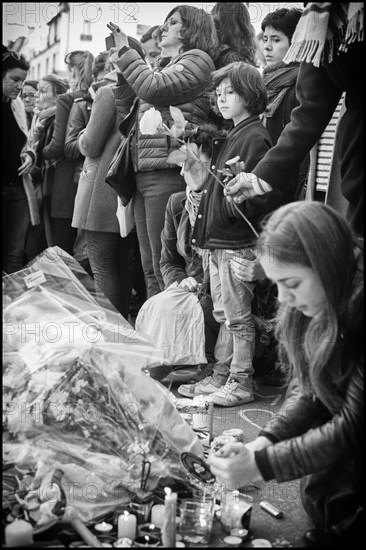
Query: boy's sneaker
[[206, 386], [231, 394]]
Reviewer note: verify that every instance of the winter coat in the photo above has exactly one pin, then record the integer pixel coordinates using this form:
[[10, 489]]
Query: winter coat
[[178, 259], [19, 113], [319, 90], [96, 201], [183, 82], [218, 225], [62, 191]]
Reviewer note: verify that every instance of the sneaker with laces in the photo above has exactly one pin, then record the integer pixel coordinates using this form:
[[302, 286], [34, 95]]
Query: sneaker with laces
[[206, 386], [231, 394]]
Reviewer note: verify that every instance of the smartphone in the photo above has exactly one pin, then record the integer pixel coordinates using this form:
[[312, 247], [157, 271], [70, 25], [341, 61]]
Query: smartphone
[[109, 42]]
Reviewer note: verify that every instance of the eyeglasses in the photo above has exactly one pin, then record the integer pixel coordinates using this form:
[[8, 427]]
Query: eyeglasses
[[29, 95], [171, 21]]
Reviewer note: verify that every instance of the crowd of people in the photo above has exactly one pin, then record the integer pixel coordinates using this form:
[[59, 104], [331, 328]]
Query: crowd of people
[[228, 222]]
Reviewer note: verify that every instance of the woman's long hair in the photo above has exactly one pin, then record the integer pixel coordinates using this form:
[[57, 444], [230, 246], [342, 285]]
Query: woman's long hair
[[234, 29], [198, 30], [83, 61], [316, 236]]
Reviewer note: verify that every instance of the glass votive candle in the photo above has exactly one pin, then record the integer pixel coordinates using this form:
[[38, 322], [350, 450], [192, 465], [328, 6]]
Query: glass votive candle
[[149, 529], [146, 541], [236, 511], [141, 511]]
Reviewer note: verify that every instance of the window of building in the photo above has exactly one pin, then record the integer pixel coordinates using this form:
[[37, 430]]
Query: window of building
[[47, 65]]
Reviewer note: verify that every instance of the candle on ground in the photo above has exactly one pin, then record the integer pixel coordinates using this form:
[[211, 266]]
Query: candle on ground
[[157, 515], [127, 525], [170, 512], [103, 527], [18, 533]]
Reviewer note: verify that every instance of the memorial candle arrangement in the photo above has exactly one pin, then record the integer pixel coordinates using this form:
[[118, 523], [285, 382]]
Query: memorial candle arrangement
[[170, 512]]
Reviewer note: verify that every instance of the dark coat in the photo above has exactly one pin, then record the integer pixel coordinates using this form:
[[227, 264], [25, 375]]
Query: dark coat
[[218, 225], [319, 90], [178, 259], [62, 189]]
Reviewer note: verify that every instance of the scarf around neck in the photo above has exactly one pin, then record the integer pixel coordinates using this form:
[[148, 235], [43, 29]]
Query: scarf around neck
[[324, 29], [277, 80], [39, 122]]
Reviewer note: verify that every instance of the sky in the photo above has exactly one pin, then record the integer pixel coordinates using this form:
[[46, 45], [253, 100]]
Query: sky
[[17, 17]]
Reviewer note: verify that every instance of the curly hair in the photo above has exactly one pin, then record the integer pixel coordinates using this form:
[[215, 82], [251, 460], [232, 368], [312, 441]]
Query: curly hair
[[83, 61], [198, 30], [246, 82], [234, 29]]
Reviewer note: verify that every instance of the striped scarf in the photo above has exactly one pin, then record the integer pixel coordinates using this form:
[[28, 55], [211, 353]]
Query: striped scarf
[[277, 80], [192, 205], [324, 29]]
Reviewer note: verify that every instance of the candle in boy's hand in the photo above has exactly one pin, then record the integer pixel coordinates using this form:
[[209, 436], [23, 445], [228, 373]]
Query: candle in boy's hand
[[18, 533], [127, 525], [170, 512]]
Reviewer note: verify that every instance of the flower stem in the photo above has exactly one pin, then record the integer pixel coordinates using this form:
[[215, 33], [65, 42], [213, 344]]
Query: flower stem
[[222, 185]]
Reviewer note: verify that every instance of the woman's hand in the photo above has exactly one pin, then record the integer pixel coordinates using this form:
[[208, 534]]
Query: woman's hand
[[26, 165], [234, 465], [190, 284], [120, 38], [246, 270]]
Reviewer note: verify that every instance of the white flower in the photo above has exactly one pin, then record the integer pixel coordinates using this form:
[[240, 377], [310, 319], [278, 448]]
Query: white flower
[[151, 122]]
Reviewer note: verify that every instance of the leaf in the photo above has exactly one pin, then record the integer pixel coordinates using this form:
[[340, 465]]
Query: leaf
[[177, 156], [178, 117]]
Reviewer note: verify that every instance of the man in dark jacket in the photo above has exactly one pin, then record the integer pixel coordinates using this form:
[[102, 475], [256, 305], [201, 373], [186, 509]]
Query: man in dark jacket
[[325, 72]]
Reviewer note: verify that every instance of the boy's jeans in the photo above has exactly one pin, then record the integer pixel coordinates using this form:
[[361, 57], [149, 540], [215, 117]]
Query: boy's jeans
[[232, 299]]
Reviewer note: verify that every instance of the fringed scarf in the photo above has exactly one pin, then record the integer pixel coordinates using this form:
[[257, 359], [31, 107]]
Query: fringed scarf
[[324, 29], [277, 80], [39, 122], [192, 206]]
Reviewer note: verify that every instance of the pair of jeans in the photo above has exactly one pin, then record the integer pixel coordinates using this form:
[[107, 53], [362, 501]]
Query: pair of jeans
[[63, 235], [232, 300], [153, 191], [16, 223], [109, 257]]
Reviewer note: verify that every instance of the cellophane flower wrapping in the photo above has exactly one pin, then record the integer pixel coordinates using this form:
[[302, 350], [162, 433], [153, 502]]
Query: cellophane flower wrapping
[[79, 402]]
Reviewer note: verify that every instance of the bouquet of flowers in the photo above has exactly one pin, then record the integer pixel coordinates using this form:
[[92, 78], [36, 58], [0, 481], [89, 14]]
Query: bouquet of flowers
[[80, 415]]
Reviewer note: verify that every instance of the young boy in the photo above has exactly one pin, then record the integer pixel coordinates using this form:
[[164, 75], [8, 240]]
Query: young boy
[[241, 97]]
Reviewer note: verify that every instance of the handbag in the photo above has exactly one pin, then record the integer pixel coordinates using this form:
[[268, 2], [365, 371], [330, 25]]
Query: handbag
[[121, 174], [125, 216]]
